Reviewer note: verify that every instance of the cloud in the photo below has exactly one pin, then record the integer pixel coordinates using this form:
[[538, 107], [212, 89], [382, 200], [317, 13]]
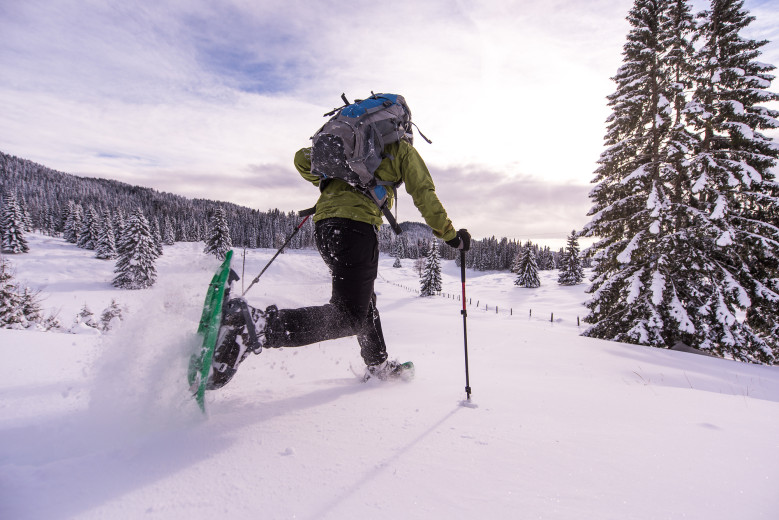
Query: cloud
[[490, 202], [212, 99]]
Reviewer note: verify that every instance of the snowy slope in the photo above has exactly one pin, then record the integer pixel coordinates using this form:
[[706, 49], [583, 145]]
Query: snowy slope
[[565, 427]]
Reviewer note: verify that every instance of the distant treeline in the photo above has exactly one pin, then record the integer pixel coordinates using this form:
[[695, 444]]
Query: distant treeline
[[45, 196]]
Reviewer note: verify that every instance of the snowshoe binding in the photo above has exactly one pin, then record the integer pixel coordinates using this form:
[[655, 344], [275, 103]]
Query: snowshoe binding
[[238, 336], [390, 370]]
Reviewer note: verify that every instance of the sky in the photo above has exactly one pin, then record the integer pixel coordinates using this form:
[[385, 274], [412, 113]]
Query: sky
[[211, 99]]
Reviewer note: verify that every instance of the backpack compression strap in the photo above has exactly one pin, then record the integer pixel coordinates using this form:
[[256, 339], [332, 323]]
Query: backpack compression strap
[[371, 193]]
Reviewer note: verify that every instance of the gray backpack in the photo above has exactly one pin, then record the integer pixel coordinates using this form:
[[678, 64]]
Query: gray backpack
[[350, 146]]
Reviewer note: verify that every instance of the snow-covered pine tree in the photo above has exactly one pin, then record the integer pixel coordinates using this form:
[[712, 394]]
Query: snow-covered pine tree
[[30, 305], [571, 272], [527, 268], [431, 277], [546, 259], [136, 255], [156, 234], [734, 190], [633, 209], [72, 225], [90, 230], [168, 235], [219, 243], [398, 253], [53, 226], [10, 300], [105, 248], [12, 226], [25, 211], [118, 222], [687, 245]]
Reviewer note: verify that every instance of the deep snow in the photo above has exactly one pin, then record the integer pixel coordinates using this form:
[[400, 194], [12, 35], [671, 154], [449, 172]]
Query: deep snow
[[563, 427]]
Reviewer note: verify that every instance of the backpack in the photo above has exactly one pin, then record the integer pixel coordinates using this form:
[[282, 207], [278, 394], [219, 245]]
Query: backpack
[[350, 146]]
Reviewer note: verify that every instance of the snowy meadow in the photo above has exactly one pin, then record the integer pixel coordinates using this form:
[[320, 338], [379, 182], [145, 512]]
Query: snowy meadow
[[97, 426]]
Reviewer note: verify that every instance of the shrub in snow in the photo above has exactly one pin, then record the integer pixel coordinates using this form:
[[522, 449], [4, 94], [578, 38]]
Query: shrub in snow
[[111, 316], [86, 317], [52, 323]]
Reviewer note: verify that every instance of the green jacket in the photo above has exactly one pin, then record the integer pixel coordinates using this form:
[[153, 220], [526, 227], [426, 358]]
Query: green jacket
[[403, 164]]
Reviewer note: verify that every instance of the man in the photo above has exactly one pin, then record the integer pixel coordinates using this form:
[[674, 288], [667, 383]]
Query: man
[[346, 223]]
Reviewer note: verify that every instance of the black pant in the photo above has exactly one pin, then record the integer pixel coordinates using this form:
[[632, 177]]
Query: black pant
[[351, 251]]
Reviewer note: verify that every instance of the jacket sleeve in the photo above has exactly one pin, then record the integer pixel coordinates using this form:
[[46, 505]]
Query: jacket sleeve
[[419, 184], [303, 165]]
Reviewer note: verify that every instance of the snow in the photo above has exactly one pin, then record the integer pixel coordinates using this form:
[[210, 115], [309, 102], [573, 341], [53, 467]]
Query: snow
[[725, 239], [559, 426], [627, 253], [639, 172], [743, 129], [718, 213]]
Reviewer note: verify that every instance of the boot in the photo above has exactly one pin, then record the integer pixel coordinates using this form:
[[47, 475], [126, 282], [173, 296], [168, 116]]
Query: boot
[[241, 332], [389, 369]]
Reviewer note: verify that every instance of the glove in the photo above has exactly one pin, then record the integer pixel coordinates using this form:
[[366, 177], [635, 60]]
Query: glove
[[461, 241]]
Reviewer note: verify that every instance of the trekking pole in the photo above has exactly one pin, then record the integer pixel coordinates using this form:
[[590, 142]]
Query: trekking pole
[[465, 326], [307, 214]]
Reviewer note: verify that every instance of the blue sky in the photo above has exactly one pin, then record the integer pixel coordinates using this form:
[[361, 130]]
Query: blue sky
[[212, 98]]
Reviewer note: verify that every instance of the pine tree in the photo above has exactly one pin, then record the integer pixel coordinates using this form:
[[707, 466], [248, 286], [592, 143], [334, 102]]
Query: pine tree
[[431, 277], [157, 236], [527, 268], [136, 255], [545, 259], [118, 222], [571, 273], [515, 264], [10, 300], [30, 305], [72, 225], [636, 208], [12, 227], [398, 253], [105, 248], [734, 190], [684, 198], [168, 235], [25, 212], [219, 243], [90, 230]]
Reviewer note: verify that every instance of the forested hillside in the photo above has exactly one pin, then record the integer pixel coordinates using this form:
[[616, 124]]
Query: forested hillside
[[46, 195]]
